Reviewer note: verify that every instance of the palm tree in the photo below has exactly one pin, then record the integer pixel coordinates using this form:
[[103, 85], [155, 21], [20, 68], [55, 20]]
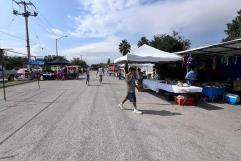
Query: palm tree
[[124, 47], [143, 41]]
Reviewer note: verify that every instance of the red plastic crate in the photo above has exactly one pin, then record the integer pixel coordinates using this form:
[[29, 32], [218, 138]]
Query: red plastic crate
[[184, 101]]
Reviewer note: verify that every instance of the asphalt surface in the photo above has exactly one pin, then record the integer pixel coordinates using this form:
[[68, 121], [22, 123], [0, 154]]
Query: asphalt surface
[[69, 121]]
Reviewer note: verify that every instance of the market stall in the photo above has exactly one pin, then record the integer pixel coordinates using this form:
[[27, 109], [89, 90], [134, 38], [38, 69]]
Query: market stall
[[218, 68], [56, 69]]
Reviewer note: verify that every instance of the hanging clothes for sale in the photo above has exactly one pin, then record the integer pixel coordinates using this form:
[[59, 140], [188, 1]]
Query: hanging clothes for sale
[[222, 60], [189, 59], [214, 62], [185, 58], [227, 61], [236, 60]]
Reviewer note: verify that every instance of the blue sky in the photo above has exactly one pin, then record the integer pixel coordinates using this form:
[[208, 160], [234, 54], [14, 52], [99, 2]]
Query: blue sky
[[95, 27]]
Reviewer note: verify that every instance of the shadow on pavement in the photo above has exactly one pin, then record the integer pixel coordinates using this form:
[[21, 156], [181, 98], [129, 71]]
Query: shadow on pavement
[[97, 85], [160, 113], [208, 106], [111, 83], [153, 103]]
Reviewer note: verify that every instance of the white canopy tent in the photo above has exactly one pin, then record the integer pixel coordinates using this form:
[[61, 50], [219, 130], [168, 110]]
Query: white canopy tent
[[148, 54]]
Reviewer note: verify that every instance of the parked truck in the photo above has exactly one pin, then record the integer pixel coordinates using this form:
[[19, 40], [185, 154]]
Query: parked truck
[[8, 74]]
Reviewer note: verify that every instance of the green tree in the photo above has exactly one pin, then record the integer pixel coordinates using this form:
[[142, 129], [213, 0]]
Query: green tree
[[50, 58], [170, 43], [233, 30], [78, 62], [108, 62], [100, 65], [124, 47], [143, 41], [16, 62]]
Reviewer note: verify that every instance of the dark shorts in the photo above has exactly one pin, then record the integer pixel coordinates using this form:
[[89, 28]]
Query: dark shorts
[[87, 77], [131, 97]]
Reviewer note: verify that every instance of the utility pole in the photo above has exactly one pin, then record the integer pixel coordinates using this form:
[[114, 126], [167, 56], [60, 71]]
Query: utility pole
[[26, 14], [3, 74]]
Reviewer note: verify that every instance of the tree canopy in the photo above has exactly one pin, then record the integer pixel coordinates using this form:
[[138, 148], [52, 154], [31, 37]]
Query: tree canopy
[[233, 30], [78, 62], [170, 43], [143, 41], [14, 62], [96, 66], [50, 58], [165, 42], [108, 61], [124, 47]]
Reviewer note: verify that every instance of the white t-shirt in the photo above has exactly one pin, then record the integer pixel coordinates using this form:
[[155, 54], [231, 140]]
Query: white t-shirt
[[100, 71]]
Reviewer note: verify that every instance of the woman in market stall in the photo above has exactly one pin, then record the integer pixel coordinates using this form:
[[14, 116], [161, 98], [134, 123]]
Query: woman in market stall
[[191, 76]]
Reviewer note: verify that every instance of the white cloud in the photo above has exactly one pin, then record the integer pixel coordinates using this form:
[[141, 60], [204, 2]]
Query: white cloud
[[112, 18], [95, 52], [191, 17], [55, 33]]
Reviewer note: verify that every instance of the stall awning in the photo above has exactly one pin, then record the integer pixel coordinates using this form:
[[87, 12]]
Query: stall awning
[[37, 62], [223, 49], [57, 62], [148, 54]]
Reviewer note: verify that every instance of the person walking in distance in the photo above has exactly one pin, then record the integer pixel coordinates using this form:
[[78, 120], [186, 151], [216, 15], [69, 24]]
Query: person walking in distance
[[131, 84], [87, 77], [100, 73]]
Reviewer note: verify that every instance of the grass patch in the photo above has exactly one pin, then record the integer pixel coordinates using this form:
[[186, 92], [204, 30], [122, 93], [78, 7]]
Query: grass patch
[[13, 83]]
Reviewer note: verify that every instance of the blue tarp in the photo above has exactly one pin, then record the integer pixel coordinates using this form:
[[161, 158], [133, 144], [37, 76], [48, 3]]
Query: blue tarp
[[37, 62]]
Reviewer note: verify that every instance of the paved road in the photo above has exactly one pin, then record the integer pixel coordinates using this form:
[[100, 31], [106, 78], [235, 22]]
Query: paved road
[[69, 121]]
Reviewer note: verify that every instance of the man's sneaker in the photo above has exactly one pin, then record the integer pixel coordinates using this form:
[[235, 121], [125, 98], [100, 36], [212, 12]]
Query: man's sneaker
[[137, 111], [121, 106]]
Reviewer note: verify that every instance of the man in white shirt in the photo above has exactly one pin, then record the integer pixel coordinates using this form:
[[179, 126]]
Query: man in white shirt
[[100, 73]]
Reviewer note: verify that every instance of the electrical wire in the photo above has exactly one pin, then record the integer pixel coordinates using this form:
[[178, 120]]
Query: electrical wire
[[43, 27], [16, 52], [42, 17], [10, 23], [47, 28], [11, 35]]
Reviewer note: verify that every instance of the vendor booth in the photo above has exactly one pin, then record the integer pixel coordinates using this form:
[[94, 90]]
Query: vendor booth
[[56, 69], [148, 54], [218, 68]]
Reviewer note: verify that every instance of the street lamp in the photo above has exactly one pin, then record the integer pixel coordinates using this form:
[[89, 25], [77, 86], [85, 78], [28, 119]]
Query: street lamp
[[57, 43]]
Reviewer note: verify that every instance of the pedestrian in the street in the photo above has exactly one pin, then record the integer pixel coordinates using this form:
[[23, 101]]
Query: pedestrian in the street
[[87, 76], [100, 73], [131, 95]]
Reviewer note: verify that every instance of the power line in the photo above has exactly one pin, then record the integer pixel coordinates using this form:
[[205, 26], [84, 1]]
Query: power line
[[11, 35], [18, 53], [16, 37], [10, 23], [44, 27]]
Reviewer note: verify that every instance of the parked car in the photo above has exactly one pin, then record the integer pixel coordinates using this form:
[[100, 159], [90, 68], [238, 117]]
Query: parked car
[[23, 73], [8, 74]]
